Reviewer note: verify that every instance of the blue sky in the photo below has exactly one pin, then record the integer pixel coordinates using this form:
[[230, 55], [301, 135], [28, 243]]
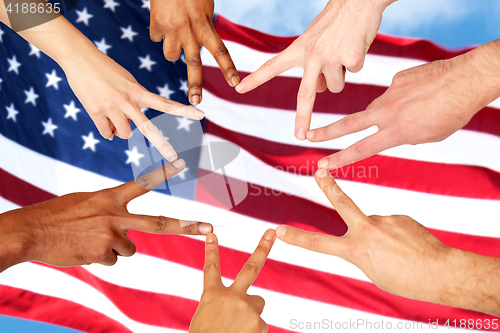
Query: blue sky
[[452, 23]]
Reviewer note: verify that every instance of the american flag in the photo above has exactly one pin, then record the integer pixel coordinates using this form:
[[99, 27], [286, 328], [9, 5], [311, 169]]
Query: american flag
[[50, 147]]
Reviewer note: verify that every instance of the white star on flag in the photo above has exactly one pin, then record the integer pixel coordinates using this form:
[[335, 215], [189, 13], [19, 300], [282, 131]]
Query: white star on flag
[[184, 123], [34, 51], [128, 33], [165, 91], [71, 110], [111, 4], [53, 80], [11, 112], [31, 96], [133, 156], [182, 174], [83, 16], [1, 83], [14, 65], [146, 4], [1, 33], [48, 127], [102, 46], [146, 62], [90, 141], [184, 86]]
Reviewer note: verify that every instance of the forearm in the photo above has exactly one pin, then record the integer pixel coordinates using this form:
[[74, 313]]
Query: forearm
[[481, 70], [471, 281], [57, 38]]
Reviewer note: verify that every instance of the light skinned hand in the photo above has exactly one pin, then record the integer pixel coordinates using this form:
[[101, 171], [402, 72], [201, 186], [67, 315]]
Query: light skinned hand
[[424, 104], [112, 97], [187, 24], [85, 228], [402, 257], [337, 39], [230, 309]]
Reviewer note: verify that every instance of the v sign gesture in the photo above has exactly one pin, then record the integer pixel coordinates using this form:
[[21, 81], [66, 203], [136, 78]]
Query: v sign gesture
[[402, 257], [230, 309]]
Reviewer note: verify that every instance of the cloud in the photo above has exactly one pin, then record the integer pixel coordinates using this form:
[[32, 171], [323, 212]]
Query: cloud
[[407, 16], [278, 17]]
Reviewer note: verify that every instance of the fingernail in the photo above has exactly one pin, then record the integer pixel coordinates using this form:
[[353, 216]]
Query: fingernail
[[195, 99], [310, 135], [171, 156], [235, 80], [240, 87], [281, 231], [321, 173], [200, 113], [269, 235], [300, 133], [322, 164], [110, 138], [179, 164], [204, 228], [210, 238], [130, 135]]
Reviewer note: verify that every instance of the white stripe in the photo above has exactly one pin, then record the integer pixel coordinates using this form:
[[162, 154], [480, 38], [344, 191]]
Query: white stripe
[[47, 281], [6, 205], [463, 147], [377, 70]]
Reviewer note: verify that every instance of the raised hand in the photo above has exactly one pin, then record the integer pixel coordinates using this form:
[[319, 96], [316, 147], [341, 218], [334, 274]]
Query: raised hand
[[402, 257], [230, 309], [85, 228], [112, 97], [337, 39], [424, 104], [187, 24]]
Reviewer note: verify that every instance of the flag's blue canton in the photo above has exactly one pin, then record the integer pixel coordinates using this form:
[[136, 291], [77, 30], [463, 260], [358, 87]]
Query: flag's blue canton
[[39, 110]]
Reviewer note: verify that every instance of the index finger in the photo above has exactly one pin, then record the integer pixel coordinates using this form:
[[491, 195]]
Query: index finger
[[146, 183], [252, 267], [216, 47], [305, 100], [346, 208], [271, 68], [152, 133], [211, 269]]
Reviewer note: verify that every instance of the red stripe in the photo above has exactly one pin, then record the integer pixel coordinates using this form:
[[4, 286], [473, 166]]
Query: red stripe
[[29, 305], [382, 45], [20, 192], [308, 283], [429, 177], [281, 92]]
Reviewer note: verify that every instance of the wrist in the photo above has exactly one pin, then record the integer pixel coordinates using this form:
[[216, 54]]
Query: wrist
[[15, 247]]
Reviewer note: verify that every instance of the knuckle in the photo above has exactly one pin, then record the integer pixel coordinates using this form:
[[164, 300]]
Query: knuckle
[[251, 266], [349, 122], [144, 181], [194, 60], [360, 147], [195, 85], [221, 51], [344, 200], [159, 224], [270, 65], [306, 93], [210, 266], [314, 241]]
